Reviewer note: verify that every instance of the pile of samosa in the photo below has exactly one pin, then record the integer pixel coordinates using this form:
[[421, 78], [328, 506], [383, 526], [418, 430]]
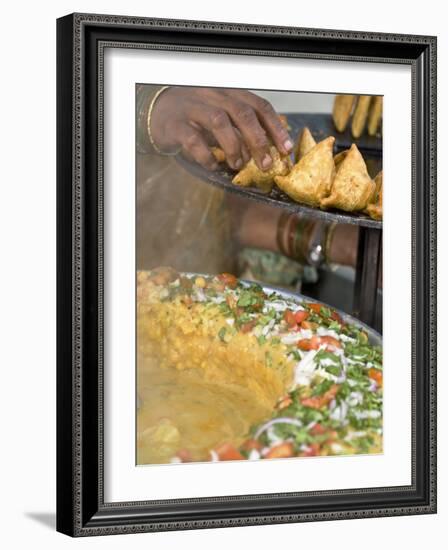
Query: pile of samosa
[[318, 178]]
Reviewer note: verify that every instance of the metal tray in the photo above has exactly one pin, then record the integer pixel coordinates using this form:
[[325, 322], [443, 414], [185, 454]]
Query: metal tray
[[316, 122]]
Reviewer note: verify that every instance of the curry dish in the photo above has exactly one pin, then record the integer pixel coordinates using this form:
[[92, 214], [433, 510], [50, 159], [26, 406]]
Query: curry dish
[[228, 370]]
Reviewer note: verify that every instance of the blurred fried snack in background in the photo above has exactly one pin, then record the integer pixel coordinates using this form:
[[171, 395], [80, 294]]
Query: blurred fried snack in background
[[367, 111], [360, 115], [376, 112], [342, 109]]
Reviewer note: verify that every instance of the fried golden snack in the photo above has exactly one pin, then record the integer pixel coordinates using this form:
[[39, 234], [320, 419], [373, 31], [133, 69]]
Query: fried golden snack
[[342, 108], [352, 188], [251, 174], [375, 208], [360, 115], [375, 115], [310, 179], [304, 144], [339, 158], [218, 153]]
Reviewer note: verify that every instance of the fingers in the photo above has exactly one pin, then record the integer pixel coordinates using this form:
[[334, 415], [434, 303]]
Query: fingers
[[217, 122], [269, 119], [245, 119], [194, 146]]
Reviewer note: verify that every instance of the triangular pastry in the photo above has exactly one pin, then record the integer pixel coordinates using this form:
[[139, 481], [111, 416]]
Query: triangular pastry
[[375, 208], [304, 144], [310, 179], [251, 174], [352, 188]]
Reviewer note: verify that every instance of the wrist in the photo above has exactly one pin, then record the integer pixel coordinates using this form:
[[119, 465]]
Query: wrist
[[154, 130]]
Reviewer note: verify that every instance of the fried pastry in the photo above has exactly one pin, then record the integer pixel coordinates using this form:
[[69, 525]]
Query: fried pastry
[[219, 154], [352, 188], [360, 115], [304, 144], [342, 108], [339, 158], [375, 208], [251, 174], [310, 179], [376, 112]]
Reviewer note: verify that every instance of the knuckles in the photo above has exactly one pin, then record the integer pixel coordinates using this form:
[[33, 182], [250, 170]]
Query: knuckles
[[219, 119], [246, 115], [192, 140]]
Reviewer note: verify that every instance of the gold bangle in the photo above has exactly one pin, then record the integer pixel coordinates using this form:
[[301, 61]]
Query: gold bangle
[[148, 124], [328, 241]]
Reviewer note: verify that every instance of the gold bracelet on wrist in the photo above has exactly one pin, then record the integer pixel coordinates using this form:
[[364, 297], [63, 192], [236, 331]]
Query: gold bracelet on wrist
[[148, 124]]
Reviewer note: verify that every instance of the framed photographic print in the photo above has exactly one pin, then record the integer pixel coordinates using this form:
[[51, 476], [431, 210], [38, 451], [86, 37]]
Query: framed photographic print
[[246, 275]]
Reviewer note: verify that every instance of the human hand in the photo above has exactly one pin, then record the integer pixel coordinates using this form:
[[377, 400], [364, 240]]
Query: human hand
[[243, 124]]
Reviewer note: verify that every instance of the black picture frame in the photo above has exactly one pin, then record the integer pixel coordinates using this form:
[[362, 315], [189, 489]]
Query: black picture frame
[[81, 39]]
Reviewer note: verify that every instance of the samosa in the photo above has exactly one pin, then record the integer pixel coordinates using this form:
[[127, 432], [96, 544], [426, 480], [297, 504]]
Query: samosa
[[352, 188], [251, 174], [219, 154], [339, 158], [310, 179], [304, 144], [375, 207]]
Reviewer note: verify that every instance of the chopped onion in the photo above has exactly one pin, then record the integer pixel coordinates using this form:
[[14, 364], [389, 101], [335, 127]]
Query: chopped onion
[[214, 456], [254, 455], [282, 420]]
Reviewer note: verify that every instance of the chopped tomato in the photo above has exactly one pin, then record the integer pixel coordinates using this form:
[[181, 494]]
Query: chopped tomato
[[313, 450], [304, 344], [290, 318], [376, 375], [300, 316], [315, 307], [316, 342], [251, 444], [309, 325], [317, 429], [247, 327], [282, 450], [226, 451], [284, 402], [319, 401], [336, 317], [228, 279], [184, 455], [330, 343]]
